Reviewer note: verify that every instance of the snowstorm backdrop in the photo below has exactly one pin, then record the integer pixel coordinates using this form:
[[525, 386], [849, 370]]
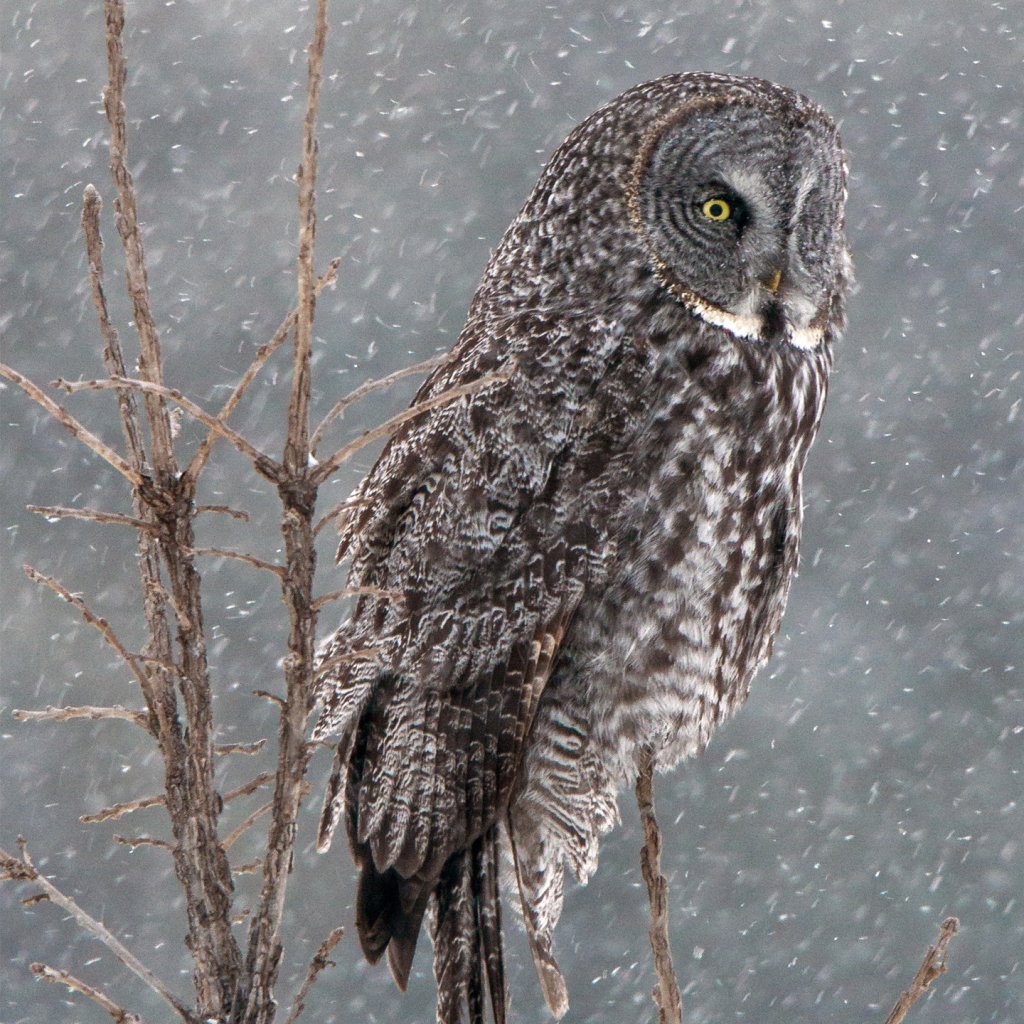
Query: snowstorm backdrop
[[872, 784]]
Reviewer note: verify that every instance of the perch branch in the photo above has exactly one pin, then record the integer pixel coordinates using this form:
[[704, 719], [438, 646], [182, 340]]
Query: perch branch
[[71, 425], [359, 393], [73, 984], [21, 869], [666, 994], [317, 964], [932, 967]]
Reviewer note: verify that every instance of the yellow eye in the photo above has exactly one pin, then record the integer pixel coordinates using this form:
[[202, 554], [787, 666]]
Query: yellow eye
[[716, 208]]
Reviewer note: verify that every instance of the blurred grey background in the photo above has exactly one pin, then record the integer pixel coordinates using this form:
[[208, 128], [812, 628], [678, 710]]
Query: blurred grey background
[[873, 783]]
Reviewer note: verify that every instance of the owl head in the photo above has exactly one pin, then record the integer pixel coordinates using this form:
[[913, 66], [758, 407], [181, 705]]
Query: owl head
[[738, 196], [693, 195]]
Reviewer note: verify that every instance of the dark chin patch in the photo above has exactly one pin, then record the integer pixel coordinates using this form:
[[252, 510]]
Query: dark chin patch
[[774, 319]]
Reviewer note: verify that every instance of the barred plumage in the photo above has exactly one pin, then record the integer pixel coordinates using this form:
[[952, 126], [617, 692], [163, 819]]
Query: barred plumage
[[592, 552]]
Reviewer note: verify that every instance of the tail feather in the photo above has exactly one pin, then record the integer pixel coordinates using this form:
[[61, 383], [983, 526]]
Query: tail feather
[[468, 955]]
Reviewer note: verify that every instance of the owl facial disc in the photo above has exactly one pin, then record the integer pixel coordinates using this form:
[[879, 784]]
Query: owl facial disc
[[738, 206]]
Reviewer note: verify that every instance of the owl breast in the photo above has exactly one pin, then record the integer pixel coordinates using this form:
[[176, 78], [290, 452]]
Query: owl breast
[[705, 538]]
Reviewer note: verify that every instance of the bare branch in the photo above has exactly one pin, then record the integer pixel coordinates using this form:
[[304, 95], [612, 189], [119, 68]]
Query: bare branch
[[226, 510], [246, 824], [298, 496], [267, 695], [337, 595], [388, 427], [73, 984], [131, 660], [666, 994], [239, 556], [22, 870], [250, 787], [195, 467], [223, 749], [317, 964], [340, 509], [296, 450], [263, 464], [120, 810], [113, 359], [932, 967], [71, 425], [127, 221], [142, 841], [115, 518], [367, 388], [89, 711]]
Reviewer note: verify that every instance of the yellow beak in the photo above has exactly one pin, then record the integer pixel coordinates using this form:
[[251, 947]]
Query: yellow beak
[[772, 283]]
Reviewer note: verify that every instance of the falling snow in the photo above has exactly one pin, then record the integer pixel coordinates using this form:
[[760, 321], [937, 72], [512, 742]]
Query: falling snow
[[873, 783]]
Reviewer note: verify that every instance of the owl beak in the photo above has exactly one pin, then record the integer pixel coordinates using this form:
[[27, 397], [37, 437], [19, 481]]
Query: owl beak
[[773, 280]]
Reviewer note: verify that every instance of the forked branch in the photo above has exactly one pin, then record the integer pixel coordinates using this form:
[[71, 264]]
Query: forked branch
[[21, 869]]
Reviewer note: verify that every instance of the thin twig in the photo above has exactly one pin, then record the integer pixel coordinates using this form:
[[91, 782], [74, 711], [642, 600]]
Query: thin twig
[[73, 984], [115, 518], [234, 513], [195, 467], [127, 222], [297, 491], [932, 967], [131, 660], [263, 464], [120, 810], [316, 965], [239, 556], [666, 994], [246, 824], [142, 841], [337, 595], [21, 869], [388, 427], [249, 787], [71, 425], [223, 749], [343, 507], [89, 711], [367, 388], [113, 358]]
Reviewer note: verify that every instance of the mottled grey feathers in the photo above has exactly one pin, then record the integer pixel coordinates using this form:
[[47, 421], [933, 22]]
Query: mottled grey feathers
[[593, 551]]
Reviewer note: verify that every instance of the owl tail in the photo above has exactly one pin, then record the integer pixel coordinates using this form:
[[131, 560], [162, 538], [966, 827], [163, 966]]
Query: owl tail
[[468, 958]]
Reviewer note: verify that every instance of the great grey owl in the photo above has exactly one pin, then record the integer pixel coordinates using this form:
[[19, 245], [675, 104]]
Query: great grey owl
[[589, 554]]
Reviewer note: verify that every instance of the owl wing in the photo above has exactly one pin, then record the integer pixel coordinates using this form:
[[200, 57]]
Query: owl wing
[[478, 531]]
